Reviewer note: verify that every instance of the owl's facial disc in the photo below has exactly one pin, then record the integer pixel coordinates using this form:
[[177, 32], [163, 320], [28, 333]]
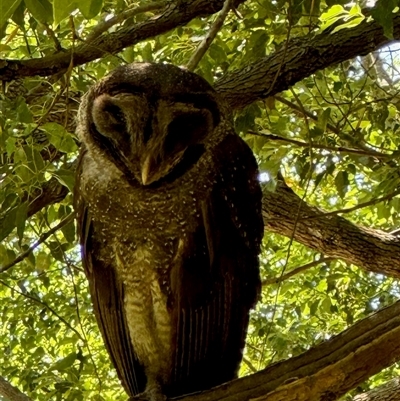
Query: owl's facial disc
[[181, 128], [122, 120], [148, 139]]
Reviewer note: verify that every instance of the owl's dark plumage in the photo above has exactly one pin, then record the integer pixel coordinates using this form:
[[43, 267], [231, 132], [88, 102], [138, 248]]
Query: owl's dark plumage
[[169, 213]]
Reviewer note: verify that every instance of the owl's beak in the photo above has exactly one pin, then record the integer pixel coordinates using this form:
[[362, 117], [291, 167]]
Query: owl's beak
[[153, 168], [146, 170]]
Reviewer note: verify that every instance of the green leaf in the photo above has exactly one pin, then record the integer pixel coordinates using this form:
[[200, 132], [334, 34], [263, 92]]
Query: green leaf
[[7, 8], [62, 9], [7, 223], [382, 13], [314, 307], [60, 137], [23, 113], [147, 52], [18, 16], [41, 10], [342, 182], [324, 118], [43, 261], [334, 14], [10, 145], [351, 24], [90, 8], [66, 178], [69, 232], [64, 363]]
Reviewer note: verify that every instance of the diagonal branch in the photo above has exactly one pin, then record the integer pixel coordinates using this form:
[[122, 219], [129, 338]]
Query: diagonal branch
[[206, 42], [10, 392], [325, 372], [389, 391], [296, 270], [41, 239], [299, 59], [340, 149], [103, 26], [175, 14], [332, 235]]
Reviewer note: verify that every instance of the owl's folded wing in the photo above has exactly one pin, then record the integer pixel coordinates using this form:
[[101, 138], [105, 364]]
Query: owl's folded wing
[[215, 280], [108, 302]]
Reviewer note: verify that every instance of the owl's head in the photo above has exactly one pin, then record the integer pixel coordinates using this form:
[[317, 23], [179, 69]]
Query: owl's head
[[149, 117]]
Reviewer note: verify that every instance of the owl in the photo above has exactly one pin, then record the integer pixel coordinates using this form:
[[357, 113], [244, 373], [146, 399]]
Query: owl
[[168, 204]]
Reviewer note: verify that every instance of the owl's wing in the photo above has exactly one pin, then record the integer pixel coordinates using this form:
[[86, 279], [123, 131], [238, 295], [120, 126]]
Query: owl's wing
[[215, 280], [108, 299]]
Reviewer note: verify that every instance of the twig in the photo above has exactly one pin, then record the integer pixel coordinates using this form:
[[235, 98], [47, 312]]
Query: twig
[[53, 36], [103, 26], [206, 42], [10, 392], [325, 147], [356, 207], [285, 49], [308, 113], [41, 239], [297, 270], [39, 301], [249, 365]]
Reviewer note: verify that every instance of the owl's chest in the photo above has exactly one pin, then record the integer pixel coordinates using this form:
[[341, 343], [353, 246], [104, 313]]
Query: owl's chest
[[150, 218], [131, 212]]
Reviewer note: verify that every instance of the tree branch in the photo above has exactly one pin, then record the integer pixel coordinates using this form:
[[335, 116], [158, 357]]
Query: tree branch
[[10, 392], [340, 149], [326, 232], [175, 14], [389, 391], [293, 272], [333, 236], [41, 239], [103, 26], [326, 371], [299, 59]]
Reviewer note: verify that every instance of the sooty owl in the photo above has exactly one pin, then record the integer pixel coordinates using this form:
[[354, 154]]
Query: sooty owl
[[169, 214]]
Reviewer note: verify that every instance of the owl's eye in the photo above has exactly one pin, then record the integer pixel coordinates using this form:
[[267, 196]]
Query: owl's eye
[[115, 114], [185, 130]]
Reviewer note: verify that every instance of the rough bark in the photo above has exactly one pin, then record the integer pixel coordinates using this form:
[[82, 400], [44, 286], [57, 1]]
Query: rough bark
[[298, 59], [294, 61], [10, 392], [325, 372], [334, 236], [175, 14], [389, 391]]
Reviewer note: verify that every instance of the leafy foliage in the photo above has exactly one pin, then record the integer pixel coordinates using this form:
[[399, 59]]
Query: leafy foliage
[[334, 136]]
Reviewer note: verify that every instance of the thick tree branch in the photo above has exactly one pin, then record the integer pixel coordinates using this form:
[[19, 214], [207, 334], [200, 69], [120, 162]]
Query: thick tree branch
[[174, 14], [332, 235], [10, 392], [389, 391], [298, 60], [326, 371]]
